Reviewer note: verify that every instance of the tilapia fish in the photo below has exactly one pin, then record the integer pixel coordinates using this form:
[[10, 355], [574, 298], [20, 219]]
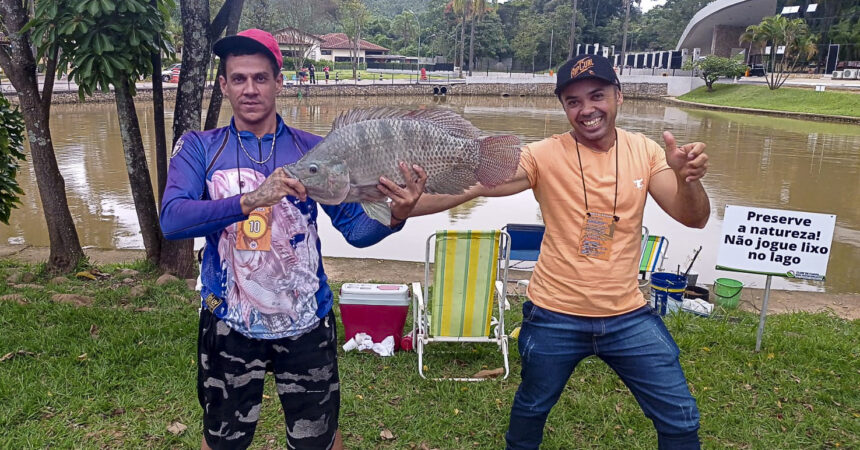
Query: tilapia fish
[[365, 144]]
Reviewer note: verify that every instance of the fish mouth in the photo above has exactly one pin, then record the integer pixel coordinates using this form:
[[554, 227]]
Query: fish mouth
[[288, 171]]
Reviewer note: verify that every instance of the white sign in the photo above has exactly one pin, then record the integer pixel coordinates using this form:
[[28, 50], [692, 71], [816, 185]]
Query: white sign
[[776, 242]]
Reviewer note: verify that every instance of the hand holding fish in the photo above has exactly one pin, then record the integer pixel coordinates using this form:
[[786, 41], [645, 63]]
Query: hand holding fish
[[274, 188], [404, 199]]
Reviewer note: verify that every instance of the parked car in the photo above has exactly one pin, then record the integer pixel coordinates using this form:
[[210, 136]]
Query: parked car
[[167, 74]]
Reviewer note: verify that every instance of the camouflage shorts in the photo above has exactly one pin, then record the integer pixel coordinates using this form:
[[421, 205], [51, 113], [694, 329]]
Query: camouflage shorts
[[230, 372]]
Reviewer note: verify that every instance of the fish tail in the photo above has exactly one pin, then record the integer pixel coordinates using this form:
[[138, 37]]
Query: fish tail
[[498, 159]]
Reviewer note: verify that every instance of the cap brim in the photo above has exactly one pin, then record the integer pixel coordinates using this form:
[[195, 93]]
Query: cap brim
[[227, 44]]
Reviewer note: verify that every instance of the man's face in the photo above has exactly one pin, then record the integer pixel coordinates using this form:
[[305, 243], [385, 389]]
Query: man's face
[[591, 106], [251, 87]]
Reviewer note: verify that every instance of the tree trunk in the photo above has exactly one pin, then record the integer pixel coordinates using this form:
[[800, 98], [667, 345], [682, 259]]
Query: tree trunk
[[462, 42], [217, 97], [158, 118], [138, 171], [623, 61], [20, 67], [472, 46], [179, 255], [571, 52]]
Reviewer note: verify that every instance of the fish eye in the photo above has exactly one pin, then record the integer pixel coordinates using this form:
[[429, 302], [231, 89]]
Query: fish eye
[[313, 168]]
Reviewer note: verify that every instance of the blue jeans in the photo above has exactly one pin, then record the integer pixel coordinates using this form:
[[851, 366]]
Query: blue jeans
[[636, 345]]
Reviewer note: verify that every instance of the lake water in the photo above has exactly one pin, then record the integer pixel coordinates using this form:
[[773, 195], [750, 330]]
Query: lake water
[[754, 161]]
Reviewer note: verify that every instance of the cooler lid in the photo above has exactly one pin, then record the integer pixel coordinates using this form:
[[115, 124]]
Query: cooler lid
[[374, 294]]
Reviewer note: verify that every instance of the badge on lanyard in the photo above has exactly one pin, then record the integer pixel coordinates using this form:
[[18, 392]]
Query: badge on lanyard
[[256, 232], [598, 230]]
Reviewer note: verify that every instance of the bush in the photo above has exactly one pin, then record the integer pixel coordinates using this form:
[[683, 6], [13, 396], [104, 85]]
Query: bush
[[11, 152], [712, 67]]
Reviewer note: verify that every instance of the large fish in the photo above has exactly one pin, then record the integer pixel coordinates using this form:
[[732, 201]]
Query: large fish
[[365, 144]]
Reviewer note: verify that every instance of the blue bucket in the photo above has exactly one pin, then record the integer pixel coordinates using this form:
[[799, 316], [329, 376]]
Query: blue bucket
[[667, 292]]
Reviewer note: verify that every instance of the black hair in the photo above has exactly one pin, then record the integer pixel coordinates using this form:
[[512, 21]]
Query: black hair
[[248, 51]]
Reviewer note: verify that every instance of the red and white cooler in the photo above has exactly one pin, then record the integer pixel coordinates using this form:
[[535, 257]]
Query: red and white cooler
[[378, 310]]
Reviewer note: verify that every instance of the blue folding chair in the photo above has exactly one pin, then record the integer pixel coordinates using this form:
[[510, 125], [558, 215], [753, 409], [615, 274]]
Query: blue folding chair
[[525, 241]]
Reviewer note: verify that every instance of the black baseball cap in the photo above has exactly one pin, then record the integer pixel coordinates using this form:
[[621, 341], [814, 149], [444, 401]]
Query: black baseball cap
[[584, 67]]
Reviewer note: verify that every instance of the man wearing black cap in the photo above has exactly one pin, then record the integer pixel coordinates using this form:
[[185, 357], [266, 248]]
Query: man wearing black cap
[[266, 302], [591, 184]]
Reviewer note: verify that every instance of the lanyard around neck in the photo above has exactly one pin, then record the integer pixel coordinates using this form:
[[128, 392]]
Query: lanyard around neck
[[584, 190]]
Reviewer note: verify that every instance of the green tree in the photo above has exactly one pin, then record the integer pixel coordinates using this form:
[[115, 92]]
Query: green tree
[[353, 16], [110, 43], [712, 67], [847, 33], [19, 63], [525, 43], [11, 152], [477, 10], [792, 36]]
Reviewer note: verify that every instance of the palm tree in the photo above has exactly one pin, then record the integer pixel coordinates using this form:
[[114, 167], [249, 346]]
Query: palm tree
[[571, 51], [462, 8], [624, 38], [478, 9], [790, 35]]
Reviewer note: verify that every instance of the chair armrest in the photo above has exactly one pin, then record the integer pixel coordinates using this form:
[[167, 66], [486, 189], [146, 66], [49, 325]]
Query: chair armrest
[[418, 293], [503, 296]]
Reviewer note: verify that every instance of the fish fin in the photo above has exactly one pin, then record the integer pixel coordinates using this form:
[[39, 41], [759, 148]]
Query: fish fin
[[498, 159], [448, 120], [378, 211], [365, 193], [452, 181]]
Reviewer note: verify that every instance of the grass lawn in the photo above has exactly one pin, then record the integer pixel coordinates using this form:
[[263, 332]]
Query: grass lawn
[[783, 99], [117, 373]]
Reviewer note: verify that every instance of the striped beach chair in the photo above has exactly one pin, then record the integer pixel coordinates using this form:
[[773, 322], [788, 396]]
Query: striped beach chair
[[653, 255], [469, 280]]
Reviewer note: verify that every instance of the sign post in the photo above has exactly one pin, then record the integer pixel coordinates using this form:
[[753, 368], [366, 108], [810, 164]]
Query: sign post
[[774, 242]]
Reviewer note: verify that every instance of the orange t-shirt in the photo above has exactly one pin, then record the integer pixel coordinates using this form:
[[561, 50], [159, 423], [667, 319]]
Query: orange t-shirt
[[563, 280]]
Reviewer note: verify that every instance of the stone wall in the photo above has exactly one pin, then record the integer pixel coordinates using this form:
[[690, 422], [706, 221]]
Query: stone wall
[[631, 90]]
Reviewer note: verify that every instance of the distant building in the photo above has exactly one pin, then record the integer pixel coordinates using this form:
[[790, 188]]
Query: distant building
[[716, 29], [336, 47]]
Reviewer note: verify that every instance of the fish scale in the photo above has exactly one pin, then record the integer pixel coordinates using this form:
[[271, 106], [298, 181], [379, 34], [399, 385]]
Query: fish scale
[[367, 144]]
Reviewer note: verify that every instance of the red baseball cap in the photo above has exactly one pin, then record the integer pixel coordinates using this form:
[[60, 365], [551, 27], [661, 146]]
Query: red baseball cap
[[251, 39]]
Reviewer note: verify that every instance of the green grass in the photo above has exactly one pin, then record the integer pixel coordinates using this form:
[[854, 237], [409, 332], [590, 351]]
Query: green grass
[[782, 99], [122, 385]]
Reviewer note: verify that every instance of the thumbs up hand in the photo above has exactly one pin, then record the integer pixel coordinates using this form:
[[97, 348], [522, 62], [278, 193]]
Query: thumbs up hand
[[689, 162]]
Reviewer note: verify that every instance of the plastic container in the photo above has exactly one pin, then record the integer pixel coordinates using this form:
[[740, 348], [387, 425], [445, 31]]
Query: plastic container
[[376, 309], [692, 278], [667, 291], [697, 292], [727, 292]]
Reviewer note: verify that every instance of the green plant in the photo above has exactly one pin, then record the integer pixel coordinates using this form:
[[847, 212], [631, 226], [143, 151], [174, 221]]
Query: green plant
[[11, 152], [787, 39], [712, 67]]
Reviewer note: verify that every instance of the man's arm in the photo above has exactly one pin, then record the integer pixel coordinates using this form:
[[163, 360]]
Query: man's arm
[[433, 203], [679, 191]]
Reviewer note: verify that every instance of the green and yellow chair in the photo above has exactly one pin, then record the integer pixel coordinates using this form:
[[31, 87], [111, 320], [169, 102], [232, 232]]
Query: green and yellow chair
[[469, 280], [653, 254]]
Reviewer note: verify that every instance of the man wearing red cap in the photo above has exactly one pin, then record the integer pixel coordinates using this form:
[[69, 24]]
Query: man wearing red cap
[[266, 303], [591, 183]]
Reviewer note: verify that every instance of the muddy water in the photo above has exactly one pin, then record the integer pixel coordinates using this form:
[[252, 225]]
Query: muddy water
[[755, 161]]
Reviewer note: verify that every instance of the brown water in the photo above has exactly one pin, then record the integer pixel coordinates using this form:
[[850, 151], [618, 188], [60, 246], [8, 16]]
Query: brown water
[[755, 161]]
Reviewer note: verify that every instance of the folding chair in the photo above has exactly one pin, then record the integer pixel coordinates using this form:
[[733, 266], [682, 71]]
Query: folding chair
[[467, 283], [525, 244], [653, 253]]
